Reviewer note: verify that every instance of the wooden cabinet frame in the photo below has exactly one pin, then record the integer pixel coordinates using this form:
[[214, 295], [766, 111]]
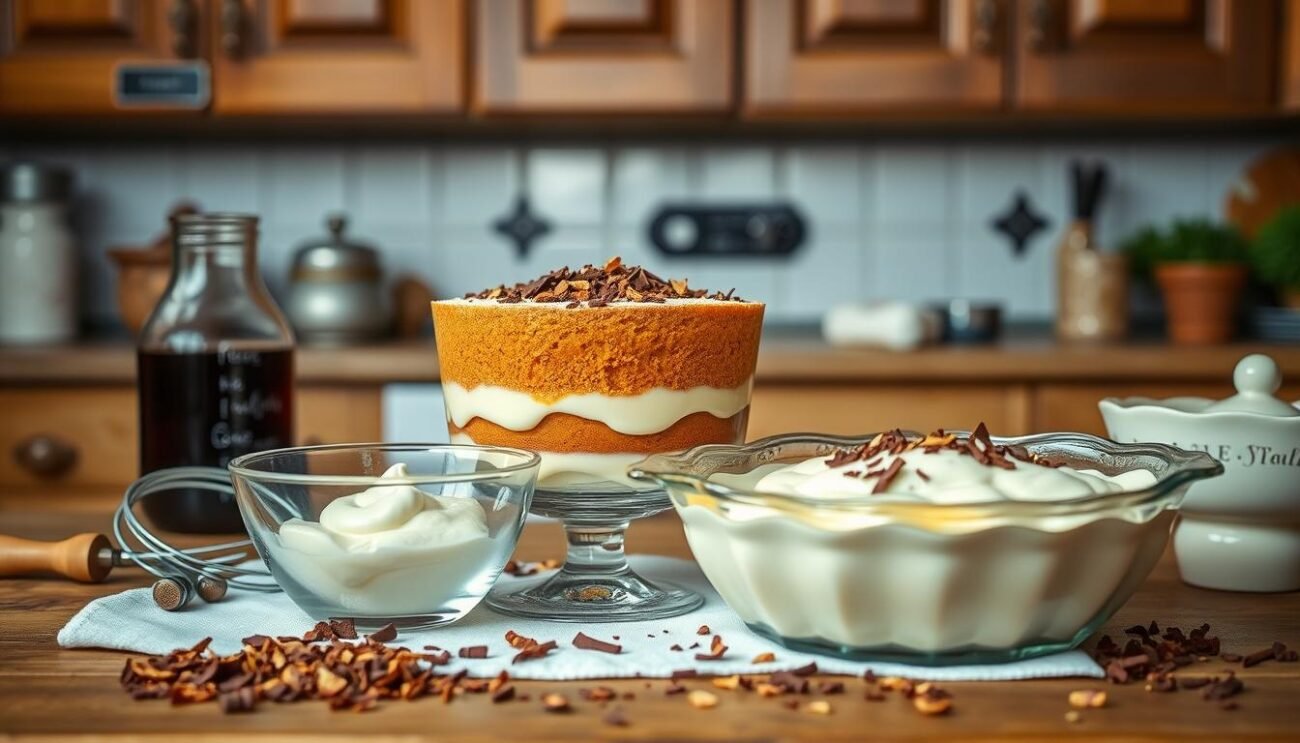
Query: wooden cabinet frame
[[820, 58], [412, 61], [540, 57]]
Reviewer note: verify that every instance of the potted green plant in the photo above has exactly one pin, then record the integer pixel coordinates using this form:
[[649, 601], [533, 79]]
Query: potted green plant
[[1200, 267], [1275, 254]]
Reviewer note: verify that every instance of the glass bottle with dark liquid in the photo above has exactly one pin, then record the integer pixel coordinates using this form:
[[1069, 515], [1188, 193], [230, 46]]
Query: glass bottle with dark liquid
[[214, 368]]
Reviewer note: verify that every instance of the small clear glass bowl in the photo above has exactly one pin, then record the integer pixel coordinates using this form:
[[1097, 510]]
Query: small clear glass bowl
[[414, 584], [919, 582]]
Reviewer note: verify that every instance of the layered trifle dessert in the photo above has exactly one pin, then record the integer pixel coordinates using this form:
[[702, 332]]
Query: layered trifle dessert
[[596, 368]]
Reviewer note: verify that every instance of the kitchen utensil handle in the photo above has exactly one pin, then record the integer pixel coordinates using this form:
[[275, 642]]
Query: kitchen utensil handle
[[234, 24], [45, 456], [985, 36], [76, 557], [1042, 14]]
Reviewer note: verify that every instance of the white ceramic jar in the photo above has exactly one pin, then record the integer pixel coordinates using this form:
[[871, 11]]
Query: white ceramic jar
[[1239, 532], [38, 256]]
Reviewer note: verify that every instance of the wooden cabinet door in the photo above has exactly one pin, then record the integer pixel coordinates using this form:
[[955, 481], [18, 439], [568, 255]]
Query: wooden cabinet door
[[60, 56], [603, 56], [847, 57], [338, 56], [1146, 56]]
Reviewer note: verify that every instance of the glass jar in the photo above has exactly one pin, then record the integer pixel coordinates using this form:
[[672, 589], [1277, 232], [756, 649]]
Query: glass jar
[[38, 255], [215, 368]]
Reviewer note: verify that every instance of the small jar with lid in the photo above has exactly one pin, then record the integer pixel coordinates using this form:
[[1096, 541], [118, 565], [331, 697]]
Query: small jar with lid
[[38, 255], [337, 292]]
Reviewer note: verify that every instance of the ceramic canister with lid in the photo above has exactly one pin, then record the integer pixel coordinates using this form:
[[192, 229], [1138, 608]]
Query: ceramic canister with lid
[[337, 293], [1239, 532], [38, 255]]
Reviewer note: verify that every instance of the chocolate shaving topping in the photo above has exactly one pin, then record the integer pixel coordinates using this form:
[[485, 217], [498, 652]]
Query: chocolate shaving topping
[[599, 287], [473, 651], [978, 445], [586, 642]]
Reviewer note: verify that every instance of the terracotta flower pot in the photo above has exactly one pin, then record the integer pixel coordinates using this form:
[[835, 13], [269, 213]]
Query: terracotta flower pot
[[1201, 300]]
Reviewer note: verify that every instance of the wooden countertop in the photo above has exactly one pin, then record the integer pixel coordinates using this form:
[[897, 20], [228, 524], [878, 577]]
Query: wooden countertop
[[48, 691], [784, 357]]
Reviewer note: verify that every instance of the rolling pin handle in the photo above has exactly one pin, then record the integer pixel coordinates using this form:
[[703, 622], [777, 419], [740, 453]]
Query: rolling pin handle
[[79, 558]]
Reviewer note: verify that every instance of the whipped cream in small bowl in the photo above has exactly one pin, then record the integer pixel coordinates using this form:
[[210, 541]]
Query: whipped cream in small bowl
[[412, 534], [940, 549]]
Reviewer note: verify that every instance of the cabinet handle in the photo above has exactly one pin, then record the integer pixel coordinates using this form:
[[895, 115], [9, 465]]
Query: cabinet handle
[[45, 456], [1041, 16], [184, 20], [234, 22], [985, 36]]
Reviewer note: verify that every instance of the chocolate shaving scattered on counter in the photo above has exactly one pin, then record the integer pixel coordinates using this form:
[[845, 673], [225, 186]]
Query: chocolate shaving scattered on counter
[[586, 642], [599, 287], [387, 633], [475, 652], [349, 676], [716, 650], [529, 649], [979, 445]]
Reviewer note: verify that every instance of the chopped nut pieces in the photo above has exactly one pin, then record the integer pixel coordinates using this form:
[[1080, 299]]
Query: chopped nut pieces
[[555, 702], [529, 649], [700, 699], [348, 676], [1085, 698], [586, 642], [523, 569], [819, 707], [474, 651], [703, 630], [599, 287], [764, 658]]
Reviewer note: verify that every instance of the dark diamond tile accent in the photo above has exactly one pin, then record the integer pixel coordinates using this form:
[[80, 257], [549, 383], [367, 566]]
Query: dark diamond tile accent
[[521, 226], [1020, 223]]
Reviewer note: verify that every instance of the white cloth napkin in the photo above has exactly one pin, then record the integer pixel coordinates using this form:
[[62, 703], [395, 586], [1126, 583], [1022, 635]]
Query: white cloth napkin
[[131, 621]]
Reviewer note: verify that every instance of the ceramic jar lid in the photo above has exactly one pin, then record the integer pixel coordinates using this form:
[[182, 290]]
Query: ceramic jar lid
[[1256, 379]]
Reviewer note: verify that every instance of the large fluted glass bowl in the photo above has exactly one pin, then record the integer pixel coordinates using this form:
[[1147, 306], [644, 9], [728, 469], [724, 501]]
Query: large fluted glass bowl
[[917, 581]]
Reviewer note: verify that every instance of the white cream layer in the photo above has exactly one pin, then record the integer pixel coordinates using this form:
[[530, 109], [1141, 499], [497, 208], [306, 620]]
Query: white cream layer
[[650, 412], [565, 469]]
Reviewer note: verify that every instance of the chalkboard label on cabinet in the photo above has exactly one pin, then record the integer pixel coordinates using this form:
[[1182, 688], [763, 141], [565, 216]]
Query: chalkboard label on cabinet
[[167, 85]]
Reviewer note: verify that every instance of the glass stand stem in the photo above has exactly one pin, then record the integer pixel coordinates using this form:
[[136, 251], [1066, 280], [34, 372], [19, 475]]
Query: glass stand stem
[[595, 584]]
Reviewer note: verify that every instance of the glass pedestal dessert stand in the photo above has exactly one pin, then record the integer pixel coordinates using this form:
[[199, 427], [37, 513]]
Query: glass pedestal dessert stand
[[595, 583]]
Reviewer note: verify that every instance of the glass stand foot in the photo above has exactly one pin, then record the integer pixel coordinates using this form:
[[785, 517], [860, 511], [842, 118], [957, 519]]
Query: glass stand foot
[[596, 585]]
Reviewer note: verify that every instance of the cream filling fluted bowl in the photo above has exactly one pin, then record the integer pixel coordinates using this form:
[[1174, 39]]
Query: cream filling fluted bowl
[[863, 577]]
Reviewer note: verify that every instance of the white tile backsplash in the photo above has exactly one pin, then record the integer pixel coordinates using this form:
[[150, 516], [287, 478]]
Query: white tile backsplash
[[643, 178], [906, 220], [568, 185], [395, 186], [826, 183], [479, 184], [303, 185], [913, 184], [732, 173]]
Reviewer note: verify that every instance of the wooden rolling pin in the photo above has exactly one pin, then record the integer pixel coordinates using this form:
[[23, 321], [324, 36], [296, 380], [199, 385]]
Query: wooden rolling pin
[[87, 558]]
